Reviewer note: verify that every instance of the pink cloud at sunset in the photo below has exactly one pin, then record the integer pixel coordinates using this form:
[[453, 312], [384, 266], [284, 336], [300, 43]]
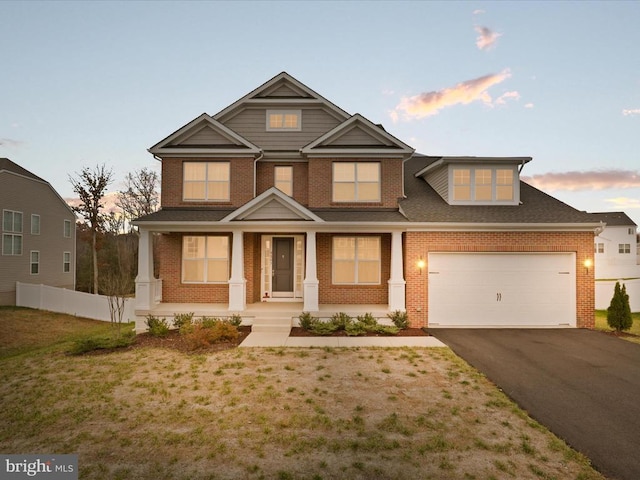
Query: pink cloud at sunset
[[585, 180], [487, 38], [633, 111], [623, 203], [430, 103], [502, 99]]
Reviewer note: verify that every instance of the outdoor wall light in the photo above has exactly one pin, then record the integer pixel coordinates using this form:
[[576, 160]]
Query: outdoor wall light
[[421, 264], [588, 263]]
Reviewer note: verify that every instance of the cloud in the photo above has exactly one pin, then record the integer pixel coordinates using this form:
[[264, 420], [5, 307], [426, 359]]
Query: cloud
[[586, 180], [487, 38], [634, 111], [528, 105], [478, 12], [109, 201], [10, 143], [502, 99], [430, 103], [623, 203]]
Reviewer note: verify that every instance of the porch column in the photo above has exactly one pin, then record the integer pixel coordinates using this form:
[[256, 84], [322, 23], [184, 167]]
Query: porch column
[[396, 282], [310, 283], [145, 281], [237, 282]]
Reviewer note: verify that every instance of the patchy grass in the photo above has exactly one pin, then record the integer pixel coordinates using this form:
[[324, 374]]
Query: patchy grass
[[632, 335], [152, 413]]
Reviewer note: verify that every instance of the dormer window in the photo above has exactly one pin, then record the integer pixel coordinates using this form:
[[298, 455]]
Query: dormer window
[[284, 120], [483, 185]]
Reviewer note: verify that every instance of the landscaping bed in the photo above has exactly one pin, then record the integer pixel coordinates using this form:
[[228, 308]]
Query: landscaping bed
[[407, 332]]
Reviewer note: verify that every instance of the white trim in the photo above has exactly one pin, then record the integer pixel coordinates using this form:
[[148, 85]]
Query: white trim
[[32, 263], [264, 198], [515, 185], [284, 113]]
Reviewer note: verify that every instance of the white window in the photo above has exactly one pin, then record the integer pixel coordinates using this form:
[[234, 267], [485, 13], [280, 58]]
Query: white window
[[35, 262], [283, 179], [356, 260], [483, 185], [11, 232], [356, 182], [284, 120], [66, 262], [208, 181], [35, 224], [67, 229], [624, 248], [205, 259], [599, 248]]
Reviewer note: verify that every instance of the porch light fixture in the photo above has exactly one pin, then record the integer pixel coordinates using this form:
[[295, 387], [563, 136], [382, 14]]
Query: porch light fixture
[[420, 264], [588, 263]]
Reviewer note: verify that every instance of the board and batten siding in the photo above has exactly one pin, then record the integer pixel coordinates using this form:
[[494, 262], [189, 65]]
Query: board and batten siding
[[30, 197], [251, 124]]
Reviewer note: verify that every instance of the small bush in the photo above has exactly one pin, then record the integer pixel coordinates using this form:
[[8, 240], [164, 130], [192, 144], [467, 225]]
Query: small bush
[[307, 321], [91, 344], [181, 320], [353, 329], [619, 312], [340, 320], [209, 322], [235, 320], [158, 327], [399, 318], [204, 334]]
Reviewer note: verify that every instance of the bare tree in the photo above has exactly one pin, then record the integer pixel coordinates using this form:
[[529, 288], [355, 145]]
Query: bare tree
[[140, 196], [91, 187]]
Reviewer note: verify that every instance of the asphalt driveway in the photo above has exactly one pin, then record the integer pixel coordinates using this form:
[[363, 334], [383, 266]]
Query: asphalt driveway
[[581, 384]]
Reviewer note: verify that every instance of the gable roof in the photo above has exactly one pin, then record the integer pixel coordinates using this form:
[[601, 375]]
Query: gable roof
[[423, 204], [357, 136], [204, 136], [614, 219], [283, 89], [443, 161], [9, 166], [272, 204]]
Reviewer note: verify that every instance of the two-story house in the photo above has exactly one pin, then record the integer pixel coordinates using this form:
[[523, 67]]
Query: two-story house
[[283, 199], [38, 233]]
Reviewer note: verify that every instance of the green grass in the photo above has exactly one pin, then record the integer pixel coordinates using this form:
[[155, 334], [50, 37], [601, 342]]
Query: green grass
[[601, 324]]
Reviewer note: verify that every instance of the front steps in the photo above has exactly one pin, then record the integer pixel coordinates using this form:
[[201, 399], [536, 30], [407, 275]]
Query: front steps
[[272, 324]]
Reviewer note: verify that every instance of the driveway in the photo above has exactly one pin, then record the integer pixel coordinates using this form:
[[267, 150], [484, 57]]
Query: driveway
[[582, 384]]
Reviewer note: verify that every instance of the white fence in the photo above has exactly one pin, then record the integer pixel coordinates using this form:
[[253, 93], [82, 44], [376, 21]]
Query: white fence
[[62, 300], [605, 288]]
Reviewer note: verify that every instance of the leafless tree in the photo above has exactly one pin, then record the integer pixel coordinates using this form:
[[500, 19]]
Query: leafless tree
[[91, 186], [140, 196]]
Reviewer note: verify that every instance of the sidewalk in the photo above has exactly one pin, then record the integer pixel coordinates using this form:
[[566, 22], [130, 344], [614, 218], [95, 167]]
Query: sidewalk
[[261, 339]]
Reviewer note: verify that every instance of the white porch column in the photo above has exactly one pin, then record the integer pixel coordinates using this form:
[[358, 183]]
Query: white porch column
[[145, 281], [396, 282], [237, 282], [310, 283]]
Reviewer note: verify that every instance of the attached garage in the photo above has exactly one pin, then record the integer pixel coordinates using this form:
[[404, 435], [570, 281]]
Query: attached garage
[[502, 289]]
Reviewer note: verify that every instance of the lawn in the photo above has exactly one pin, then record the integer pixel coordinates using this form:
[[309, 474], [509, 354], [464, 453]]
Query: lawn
[[634, 331], [152, 413]]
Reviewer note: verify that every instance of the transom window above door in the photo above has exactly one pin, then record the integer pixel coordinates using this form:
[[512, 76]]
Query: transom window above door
[[356, 182], [206, 181]]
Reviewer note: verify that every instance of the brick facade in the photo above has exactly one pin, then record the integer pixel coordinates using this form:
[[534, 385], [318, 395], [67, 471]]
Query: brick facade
[[266, 180]]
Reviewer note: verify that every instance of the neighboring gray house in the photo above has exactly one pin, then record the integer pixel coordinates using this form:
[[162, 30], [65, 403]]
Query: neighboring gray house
[[38, 233]]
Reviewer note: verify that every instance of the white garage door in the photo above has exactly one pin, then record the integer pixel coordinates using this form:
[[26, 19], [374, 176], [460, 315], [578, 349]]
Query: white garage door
[[502, 290]]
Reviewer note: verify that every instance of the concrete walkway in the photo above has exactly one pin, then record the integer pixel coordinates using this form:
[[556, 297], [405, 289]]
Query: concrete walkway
[[282, 339]]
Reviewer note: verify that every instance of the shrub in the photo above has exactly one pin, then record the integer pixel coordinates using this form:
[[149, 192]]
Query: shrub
[[158, 327], [209, 322], [235, 320], [91, 344], [340, 320], [324, 328], [206, 333], [307, 321], [619, 311], [181, 320], [399, 318]]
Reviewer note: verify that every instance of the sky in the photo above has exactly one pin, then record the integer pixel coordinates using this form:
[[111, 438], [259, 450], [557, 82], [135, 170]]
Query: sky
[[90, 83]]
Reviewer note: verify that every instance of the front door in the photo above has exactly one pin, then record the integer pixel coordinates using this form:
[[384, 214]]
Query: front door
[[282, 261]]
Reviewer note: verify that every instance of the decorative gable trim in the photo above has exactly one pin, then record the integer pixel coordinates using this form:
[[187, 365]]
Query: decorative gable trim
[[357, 137], [204, 136], [282, 90], [272, 204]]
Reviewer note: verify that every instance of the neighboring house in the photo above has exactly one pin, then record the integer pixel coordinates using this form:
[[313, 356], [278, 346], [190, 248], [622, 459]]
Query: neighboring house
[[38, 233], [616, 247], [283, 198]]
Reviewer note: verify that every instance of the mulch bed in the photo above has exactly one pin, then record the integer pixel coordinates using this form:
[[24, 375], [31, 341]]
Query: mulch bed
[[407, 332]]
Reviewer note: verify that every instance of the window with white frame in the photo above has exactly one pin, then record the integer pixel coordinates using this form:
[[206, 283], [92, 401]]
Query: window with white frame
[[624, 248], [35, 262], [206, 181], [284, 120], [483, 184], [67, 229], [356, 182], [35, 224], [356, 260], [11, 232], [205, 259], [66, 262], [599, 247], [283, 179]]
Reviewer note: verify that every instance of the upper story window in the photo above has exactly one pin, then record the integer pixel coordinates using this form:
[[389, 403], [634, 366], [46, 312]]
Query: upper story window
[[35, 224], [35, 262], [66, 262], [631, 231], [483, 185], [356, 182], [599, 247], [67, 229], [283, 179], [205, 259], [624, 248], [206, 181], [11, 232], [283, 120]]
